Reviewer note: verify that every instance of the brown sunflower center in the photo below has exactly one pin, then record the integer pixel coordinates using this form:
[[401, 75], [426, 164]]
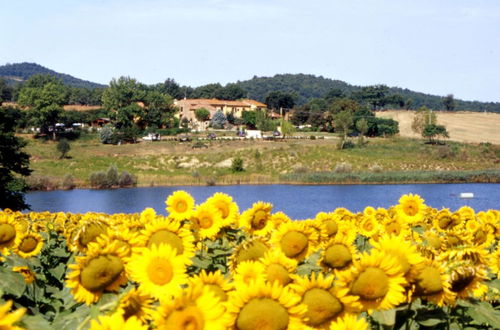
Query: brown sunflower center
[[337, 256], [462, 281], [293, 243], [453, 240], [28, 244], [160, 271], [410, 208], [90, 233], [206, 221], [368, 225], [371, 284], [331, 227], [181, 206], [100, 272], [262, 313], [224, 209], [132, 307], [217, 291], [429, 281], [393, 227], [7, 233], [276, 272], [253, 251], [480, 237], [445, 222], [187, 318], [322, 306], [166, 237], [259, 220]]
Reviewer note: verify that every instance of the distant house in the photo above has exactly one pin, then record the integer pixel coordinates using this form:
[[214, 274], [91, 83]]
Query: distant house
[[100, 122], [187, 107]]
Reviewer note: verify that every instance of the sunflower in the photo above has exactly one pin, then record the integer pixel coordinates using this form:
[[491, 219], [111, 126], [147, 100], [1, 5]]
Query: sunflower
[[30, 244], [319, 228], [180, 205], [279, 217], [445, 220], [329, 222], [395, 226], [432, 283], [411, 208], [466, 213], [257, 220], [324, 303], [215, 282], [277, 267], [159, 271], [368, 226], [148, 215], [134, 303], [399, 247], [7, 320], [228, 209], [248, 272], [252, 249], [480, 236], [207, 221], [338, 254], [376, 280], [87, 231], [26, 272], [494, 262], [169, 232], [467, 281], [196, 308], [116, 322], [127, 239], [295, 240], [9, 233], [265, 306], [350, 322], [101, 269]]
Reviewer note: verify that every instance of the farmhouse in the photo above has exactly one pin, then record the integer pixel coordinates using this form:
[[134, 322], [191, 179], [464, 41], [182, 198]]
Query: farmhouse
[[187, 107]]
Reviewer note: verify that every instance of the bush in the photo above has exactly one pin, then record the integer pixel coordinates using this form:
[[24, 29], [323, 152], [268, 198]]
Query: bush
[[63, 147], [41, 183], [218, 120], [343, 167], [68, 182], [112, 176], [127, 180], [107, 135], [99, 180], [237, 165]]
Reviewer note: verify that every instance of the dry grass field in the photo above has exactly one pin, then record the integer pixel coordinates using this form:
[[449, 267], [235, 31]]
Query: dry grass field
[[471, 127]]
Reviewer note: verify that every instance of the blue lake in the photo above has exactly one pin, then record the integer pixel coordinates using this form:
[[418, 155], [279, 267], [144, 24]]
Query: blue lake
[[297, 201]]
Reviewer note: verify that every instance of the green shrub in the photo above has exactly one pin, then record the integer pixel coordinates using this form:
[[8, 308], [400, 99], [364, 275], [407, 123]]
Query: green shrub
[[127, 180], [63, 147], [68, 182], [237, 165], [98, 180]]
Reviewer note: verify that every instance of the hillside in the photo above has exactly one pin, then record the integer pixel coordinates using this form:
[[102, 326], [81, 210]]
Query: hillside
[[310, 86], [470, 127], [19, 72]]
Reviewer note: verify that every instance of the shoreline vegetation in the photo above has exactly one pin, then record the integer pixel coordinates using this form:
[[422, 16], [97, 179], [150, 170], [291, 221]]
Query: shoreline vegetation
[[316, 160]]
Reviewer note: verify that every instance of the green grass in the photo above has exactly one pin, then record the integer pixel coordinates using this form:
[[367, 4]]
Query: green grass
[[165, 162]]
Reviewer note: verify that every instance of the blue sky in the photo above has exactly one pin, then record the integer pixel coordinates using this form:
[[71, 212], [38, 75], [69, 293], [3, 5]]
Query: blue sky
[[431, 46]]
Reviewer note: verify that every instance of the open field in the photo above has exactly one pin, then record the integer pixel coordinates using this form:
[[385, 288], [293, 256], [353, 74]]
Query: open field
[[472, 127], [176, 163]]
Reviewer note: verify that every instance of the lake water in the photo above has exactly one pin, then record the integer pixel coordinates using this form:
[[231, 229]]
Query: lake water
[[297, 201]]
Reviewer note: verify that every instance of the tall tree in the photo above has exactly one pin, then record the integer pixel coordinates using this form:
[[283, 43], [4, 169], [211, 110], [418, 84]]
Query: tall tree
[[121, 100], [13, 162], [343, 121], [423, 117], [449, 102], [5, 91], [44, 96], [280, 100]]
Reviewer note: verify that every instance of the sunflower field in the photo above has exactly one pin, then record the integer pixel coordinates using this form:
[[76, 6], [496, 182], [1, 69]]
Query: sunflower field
[[210, 266]]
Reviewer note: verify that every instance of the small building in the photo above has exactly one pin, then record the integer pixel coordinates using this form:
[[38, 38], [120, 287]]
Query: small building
[[187, 107]]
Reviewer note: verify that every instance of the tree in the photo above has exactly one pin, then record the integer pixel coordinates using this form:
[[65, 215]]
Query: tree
[[121, 100], [333, 94], [249, 119], [432, 131], [219, 120], [172, 88], [423, 116], [202, 114], [159, 109], [287, 129], [5, 92], [230, 92], [373, 95], [44, 96], [13, 162], [280, 100], [63, 147], [449, 102], [362, 127], [343, 120]]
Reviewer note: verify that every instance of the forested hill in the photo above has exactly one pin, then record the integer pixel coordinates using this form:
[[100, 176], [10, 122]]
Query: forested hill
[[307, 87], [19, 72]]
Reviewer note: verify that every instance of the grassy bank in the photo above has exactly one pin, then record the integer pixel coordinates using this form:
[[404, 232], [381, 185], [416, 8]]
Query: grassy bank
[[316, 161]]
